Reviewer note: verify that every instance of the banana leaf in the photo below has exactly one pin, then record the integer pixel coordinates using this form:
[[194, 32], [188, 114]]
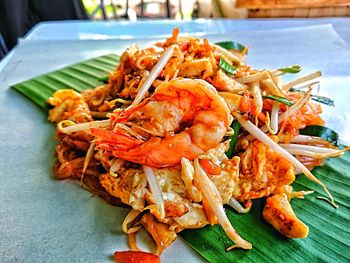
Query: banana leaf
[[329, 237], [85, 75]]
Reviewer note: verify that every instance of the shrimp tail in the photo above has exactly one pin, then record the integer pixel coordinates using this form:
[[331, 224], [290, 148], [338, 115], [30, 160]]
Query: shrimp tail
[[113, 140], [123, 116], [122, 145], [154, 152], [139, 153]]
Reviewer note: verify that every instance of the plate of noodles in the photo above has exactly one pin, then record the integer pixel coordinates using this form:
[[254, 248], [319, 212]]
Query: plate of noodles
[[191, 139]]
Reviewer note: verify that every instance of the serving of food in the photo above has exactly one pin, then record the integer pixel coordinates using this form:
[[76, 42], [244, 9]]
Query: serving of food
[[182, 128]]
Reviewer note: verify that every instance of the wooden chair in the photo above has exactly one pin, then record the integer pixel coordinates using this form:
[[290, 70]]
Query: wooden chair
[[273, 8], [295, 8]]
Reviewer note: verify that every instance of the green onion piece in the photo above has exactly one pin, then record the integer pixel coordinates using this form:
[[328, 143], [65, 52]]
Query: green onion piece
[[231, 45], [104, 79], [296, 90], [236, 127], [323, 99], [279, 99], [291, 69], [227, 67], [322, 132]]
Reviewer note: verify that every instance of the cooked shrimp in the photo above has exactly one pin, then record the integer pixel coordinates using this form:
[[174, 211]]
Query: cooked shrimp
[[183, 118]]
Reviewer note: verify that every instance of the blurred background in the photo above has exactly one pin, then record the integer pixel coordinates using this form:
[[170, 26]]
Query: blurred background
[[17, 17]]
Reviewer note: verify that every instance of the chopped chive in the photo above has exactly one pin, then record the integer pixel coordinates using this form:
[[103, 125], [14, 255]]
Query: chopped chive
[[291, 69], [279, 99], [231, 45], [227, 67]]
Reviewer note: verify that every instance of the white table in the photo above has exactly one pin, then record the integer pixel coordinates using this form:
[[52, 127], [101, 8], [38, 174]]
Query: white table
[[63, 30], [124, 29]]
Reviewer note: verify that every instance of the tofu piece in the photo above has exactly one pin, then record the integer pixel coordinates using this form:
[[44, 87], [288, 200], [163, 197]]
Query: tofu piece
[[196, 68]]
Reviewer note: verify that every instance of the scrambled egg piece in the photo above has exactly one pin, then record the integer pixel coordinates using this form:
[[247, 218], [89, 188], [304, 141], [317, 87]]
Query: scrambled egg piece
[[68, 105], [196, 68], [129, 186], [259, 174]]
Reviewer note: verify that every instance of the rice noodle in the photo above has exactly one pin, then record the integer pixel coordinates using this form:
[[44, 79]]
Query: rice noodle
[[98, 114], [155, 189], [274, 117], [153, 75], [85, 126], [131, 216], [261, 136], [211, 193], [300, 80], [237, 206], [88, 157], [132, 242]]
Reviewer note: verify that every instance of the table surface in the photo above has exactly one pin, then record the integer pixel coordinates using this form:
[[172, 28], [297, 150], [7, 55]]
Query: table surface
[[125, 29], [30, 197], [63, 30]]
